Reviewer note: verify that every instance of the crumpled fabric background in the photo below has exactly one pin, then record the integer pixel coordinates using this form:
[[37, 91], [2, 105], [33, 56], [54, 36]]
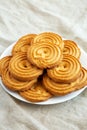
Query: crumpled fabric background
[[67, 18]]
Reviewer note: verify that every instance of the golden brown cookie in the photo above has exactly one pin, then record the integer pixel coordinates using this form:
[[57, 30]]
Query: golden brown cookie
[[67, 71], [71, 48], [44, 55], [13, 84], [59, 89], [3, 63], [23, 44], [21, 69], [49, 37], [36, 94]]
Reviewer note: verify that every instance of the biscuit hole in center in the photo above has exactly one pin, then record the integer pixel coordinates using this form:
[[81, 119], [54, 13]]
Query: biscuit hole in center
[[65, 66], [25, 66], [45, 52]]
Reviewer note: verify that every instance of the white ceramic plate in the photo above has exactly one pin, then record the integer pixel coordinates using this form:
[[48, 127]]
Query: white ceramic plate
[[53, 100]]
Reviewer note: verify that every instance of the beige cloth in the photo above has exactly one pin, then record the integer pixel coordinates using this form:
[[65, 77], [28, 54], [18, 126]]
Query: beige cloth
[[65, 17]]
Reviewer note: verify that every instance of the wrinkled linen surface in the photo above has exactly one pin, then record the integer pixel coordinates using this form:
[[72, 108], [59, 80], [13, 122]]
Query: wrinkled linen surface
[[65, 17]]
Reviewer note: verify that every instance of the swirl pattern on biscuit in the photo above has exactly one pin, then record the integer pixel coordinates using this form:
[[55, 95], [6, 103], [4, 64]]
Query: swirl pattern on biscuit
[[49, 37], [60, 89], [67, 71], [71, 48], [44, 55], [15, 85], [36, 94], [23, 44], [22, 69], [3, 63]]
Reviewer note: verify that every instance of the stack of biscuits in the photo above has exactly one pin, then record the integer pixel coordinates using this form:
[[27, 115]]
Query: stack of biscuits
[[42, 66]]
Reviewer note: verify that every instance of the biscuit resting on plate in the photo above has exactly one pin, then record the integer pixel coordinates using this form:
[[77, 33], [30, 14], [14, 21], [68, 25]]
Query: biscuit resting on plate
[[22, 69], [36, 94], [49, 37], [60, 89], [23, 44], [12, 83], [67, 71], [44, 55], [71, 48], [4, 63]]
